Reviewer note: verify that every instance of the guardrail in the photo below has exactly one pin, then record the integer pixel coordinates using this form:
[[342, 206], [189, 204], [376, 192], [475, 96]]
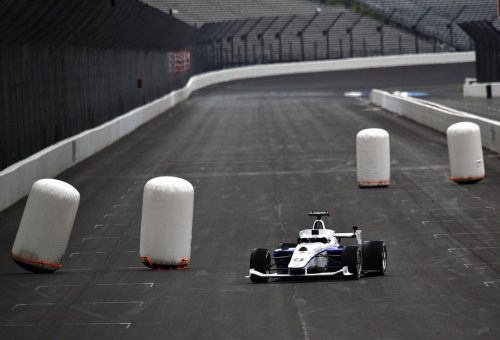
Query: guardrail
[[435, 116], [16, 180]]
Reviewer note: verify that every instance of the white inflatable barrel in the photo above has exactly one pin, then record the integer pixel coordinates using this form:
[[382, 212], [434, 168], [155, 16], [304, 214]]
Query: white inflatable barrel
[[167, 223], [373, 158], [465, 152], [46, 226]]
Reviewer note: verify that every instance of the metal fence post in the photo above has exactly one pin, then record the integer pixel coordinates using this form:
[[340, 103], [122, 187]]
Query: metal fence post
[[415, 31], [220, 40], [380, 29], [349, 31], [278, 36], [230, 39], [450, 24], [326, 33], [260, 37], [244, 37], [300, 34]]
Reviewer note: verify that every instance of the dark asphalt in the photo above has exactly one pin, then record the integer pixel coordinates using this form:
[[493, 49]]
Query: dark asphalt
[[261, 154]]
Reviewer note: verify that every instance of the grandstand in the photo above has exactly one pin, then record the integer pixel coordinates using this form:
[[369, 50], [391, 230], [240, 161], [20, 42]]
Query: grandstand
[[437, 19], [415, 26], [314, 37], [229, 33], [200, 12], [237, 32]]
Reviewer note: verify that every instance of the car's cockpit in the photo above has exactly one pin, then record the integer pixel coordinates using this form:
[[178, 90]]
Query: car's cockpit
[[318, 233]]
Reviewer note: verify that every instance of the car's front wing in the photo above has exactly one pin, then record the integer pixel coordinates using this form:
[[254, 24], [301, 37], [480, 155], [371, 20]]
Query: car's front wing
[[344, 271]]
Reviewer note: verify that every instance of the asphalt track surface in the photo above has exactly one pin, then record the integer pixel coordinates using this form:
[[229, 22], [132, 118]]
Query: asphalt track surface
[[261, 153]]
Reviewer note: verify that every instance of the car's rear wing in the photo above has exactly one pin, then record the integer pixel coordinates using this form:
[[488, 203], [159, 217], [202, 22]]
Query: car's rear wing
[[355, 234]]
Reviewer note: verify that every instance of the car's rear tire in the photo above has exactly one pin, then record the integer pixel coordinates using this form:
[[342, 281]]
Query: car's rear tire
[[260, 260], [375, 257], [353, 259]]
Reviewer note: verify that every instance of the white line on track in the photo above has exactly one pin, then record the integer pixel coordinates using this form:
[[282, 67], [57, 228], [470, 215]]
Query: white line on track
[[109, 225], [491, 283], [119, 214], [53, 286], [279, 207], [133, 267], [99, 238], [471, 234], [18, 325], [87, 252], [460, 209], [69, 270], [150, 284], [140, 303], [37, 304], [125, 205], [298, 304], [480, 264], [126, 324], [425, 222], [451, 250]]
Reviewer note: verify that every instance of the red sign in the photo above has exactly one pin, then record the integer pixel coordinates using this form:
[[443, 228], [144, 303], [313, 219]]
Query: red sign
[[179, 61]]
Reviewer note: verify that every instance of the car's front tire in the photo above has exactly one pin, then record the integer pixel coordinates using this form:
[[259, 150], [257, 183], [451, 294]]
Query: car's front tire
[[352, 258], [260, 260], [375, 257]]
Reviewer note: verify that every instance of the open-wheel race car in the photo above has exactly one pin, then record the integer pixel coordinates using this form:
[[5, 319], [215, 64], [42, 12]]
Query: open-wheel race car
[[319, 252]]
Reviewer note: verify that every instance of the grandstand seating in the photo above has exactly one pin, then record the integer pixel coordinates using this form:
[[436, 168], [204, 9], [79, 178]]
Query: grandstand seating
[[236, 32], [198, 12], [265, 44], [433, 18]]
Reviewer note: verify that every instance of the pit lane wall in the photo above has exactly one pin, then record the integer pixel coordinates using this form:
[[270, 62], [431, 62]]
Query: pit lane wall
[[435, 116], [17, 179]]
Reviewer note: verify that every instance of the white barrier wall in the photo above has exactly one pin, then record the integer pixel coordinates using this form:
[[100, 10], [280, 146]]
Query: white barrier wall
[[479, 90], [437, 117], [16, 180]]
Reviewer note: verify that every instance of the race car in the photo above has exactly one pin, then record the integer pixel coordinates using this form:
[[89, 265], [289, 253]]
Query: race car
[[319, 252]]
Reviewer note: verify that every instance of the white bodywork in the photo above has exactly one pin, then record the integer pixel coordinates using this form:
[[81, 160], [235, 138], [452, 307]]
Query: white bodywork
[[314, 242], [305, 252]]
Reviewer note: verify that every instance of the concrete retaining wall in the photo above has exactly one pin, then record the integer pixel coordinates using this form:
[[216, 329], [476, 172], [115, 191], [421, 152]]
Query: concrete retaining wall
[[480, 90], [16, 180], [437, 117]]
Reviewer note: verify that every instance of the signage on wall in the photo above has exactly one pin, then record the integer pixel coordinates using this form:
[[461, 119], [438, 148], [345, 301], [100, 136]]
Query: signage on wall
[[179, 61]]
